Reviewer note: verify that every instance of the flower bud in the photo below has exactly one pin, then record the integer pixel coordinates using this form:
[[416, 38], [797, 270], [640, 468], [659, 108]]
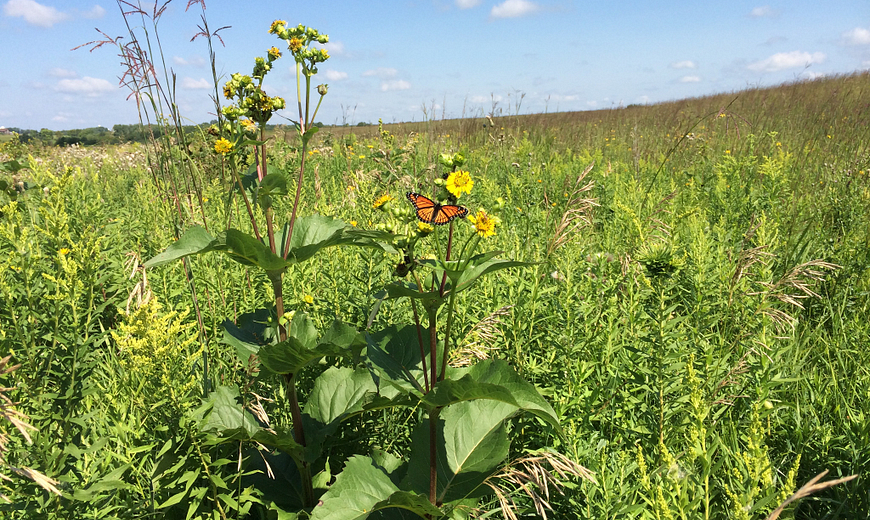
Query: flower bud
[[322, 89]]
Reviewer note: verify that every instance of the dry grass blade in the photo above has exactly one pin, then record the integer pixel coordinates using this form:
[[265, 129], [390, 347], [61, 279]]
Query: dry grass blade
[[808, 489], [480, 340], [795, 284], [141, 292], [578, 212], [534, 475], [16, 418]]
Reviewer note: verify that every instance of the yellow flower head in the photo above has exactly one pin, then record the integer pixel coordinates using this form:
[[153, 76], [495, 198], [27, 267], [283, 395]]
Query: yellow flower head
[[424, 228], [353, 223], [274, 53], [295, 44], [383, 199], [248, 124], [324, 54], [308, 299], [64, 251], [228, 91], [222, 146], [483, 223], [459, 181], [277, 26]]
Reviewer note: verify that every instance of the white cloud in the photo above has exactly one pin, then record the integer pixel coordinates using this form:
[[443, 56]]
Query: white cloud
[[592, 104], [764, 11], [381, 72], [787, 60], [62, 73], [196, 61], [643, 100], [95, 13], [195, 84], [334, 48], [685, 64], [690, 79], [558, 98], [334, 75], [60, 118], [34, 13], [812, 75], [398, 84], [857, 36], [513, 9], [467, 4], [91, 87]]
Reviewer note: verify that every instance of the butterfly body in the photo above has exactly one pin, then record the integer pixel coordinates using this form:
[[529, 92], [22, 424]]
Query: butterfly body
[[431, 212]]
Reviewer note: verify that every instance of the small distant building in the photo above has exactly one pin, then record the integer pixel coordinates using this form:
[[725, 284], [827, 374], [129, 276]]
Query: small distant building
[[4, 131]]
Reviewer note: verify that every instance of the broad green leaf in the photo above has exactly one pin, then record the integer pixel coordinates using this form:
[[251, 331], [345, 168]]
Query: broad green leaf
[[475, 271], [394, 356], [313, 233], [363, 488], [223, 414], [281, 440], [194, 241], [472, 444], [252, 331], [339, 393], [302, 328], [498, 373], [302, 348]]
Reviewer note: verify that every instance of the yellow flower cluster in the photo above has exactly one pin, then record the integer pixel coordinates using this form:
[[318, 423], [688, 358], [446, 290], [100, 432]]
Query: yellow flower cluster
[[458, 182]]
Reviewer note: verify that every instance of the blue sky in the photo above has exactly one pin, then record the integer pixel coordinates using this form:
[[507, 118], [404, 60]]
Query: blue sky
[[390, 59]]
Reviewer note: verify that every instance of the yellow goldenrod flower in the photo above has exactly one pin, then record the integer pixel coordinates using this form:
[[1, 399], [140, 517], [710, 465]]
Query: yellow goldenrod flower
[[484, 224], [383, 199], [222, 146], [459, 181]]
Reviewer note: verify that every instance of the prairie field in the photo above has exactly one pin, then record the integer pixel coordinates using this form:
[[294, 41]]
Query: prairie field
[[674, 321]]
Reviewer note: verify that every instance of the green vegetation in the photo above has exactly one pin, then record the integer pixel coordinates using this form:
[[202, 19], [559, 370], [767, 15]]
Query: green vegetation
[[686, 284]]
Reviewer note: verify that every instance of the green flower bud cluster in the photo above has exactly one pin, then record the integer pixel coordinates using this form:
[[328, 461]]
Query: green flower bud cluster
[[299, 40], [452, 160], [252, 103]]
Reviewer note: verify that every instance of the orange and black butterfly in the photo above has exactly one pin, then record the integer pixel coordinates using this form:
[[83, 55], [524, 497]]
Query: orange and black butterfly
[[431, 212]]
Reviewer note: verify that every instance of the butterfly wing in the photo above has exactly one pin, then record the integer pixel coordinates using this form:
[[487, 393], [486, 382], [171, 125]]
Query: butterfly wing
[[431, 212]]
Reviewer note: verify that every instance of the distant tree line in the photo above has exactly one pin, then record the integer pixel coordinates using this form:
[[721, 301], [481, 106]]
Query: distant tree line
[[102, 135]]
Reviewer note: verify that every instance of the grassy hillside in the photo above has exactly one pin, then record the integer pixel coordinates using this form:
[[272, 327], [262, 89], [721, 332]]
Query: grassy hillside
[[695, 308]]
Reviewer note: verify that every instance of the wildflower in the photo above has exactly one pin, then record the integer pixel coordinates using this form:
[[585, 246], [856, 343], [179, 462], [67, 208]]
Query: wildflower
[[308, 299], [274, 53], [295, 44], [277, 26], [727, 152], [362, 156], [353, 223], [383, 199], [64, 251], [324, 54], [222, 146], [424, 228], [322, 89], [228, 91], [248, 124], [484, 224], [458, 182]]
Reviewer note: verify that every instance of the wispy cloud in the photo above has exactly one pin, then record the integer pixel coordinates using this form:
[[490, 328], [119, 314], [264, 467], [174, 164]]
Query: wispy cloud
[[335, 48], [34, 13], [96, 12], [398, 84], [467, 4], [787, 60], [334, 75], [91, 87], [764, 11], [62, 73], [857, 36], [690, 79], [195, 84], [685, 64], [381, 72], [196, 61], [514, 9]]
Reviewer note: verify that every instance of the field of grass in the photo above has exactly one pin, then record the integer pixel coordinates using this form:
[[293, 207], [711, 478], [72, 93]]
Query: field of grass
[[689, 292]]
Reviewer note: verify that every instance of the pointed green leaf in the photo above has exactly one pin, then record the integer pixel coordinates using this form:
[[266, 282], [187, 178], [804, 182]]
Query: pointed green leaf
[[313, 233], [339, 393], [394, 356], [195, 240], [252, 331], [363, 488], [475, 271], [222, 413]]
